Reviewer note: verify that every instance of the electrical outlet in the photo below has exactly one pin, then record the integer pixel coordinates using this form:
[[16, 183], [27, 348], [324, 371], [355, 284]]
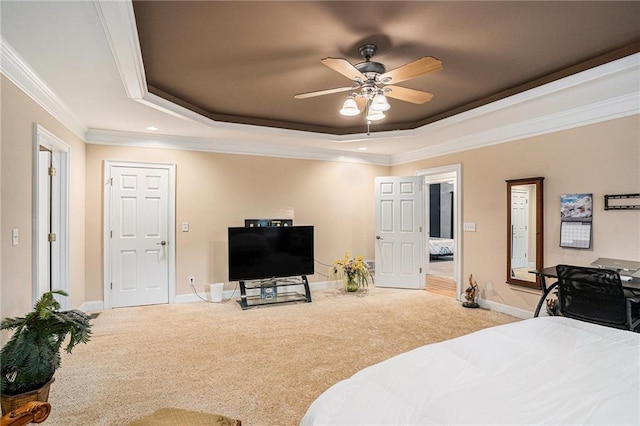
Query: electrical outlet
[[192, 281]]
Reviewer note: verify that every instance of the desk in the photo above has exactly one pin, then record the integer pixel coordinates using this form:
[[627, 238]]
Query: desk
[[550, 272]]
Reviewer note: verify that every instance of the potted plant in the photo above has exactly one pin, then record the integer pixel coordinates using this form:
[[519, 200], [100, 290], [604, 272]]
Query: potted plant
[[353, 272], [32, 355]]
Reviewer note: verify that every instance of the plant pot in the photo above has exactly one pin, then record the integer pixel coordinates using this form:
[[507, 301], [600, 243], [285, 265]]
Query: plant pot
[[13, 402]]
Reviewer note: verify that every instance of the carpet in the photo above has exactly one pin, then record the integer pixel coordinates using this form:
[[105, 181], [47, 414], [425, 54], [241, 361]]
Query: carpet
[[263, 366]]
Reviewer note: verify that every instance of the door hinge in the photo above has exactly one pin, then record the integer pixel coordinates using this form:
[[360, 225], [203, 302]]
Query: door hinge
[[110, 181], [111, 286], [52, 171], [420, 229], [51, 237], [420, 269]]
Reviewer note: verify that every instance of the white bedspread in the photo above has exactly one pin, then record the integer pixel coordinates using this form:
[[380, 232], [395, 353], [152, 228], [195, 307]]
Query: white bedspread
[[547, 370], [440, 246]]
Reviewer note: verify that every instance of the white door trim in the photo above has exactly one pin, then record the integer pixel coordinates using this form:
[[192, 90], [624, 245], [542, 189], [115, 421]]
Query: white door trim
[[106, 217], [438, 174], [61, 153]]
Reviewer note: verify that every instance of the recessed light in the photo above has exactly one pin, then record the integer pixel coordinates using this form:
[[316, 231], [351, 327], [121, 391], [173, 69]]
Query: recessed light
[[151, 128], [362, 148]]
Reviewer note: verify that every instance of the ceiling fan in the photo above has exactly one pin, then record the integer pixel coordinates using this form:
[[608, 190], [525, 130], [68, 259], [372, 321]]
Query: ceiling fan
[[373, 83]]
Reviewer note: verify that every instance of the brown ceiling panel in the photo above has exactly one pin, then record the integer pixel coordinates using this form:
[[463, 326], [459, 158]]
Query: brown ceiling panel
[[244, 61]]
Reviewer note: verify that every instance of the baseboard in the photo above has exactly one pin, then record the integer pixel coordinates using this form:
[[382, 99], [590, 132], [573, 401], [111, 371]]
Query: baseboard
[[98, 305], [505, 309], [92, 306]]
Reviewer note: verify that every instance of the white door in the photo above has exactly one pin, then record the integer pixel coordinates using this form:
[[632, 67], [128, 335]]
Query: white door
[[50, 236], [44, 221], [519, 226], [399, 241], [139, 236]]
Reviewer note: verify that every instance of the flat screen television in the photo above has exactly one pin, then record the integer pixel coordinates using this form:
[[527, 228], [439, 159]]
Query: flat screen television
[[257, 253]]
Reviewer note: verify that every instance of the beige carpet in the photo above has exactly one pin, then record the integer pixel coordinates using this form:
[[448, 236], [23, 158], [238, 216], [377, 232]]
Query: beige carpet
[[263, 366]]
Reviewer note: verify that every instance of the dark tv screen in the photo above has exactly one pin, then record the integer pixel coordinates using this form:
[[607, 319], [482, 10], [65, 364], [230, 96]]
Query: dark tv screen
[[270, 252]]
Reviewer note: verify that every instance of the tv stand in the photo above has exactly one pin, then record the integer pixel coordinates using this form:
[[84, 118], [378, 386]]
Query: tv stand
[[271, 292]]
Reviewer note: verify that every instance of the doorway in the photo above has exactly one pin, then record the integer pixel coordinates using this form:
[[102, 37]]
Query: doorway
[[139, 234], [50, 215], [442, 225]]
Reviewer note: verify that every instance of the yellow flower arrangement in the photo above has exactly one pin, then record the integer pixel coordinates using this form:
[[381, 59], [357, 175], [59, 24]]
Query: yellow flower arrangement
[[352, 270]]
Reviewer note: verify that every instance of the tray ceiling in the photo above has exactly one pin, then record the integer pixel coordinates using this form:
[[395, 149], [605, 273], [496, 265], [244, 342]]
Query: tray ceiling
[[242, 62]]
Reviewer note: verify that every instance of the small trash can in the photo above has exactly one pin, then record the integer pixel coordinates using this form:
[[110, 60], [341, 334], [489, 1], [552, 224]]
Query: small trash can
[[216, 292]]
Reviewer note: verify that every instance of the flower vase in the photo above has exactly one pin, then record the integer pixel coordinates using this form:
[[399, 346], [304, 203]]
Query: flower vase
[[350, 285]]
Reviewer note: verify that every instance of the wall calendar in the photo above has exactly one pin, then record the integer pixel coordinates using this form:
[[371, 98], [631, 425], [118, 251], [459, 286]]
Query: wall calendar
[[576, 218]]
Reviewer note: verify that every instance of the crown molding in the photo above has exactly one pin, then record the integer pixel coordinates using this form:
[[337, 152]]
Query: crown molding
[[606, 92], [15, 68], [119, 24], [145, 140]]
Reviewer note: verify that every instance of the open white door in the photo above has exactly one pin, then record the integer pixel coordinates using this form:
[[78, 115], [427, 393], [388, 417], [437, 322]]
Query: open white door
[[399, 244], [44, 222], [50, 237]]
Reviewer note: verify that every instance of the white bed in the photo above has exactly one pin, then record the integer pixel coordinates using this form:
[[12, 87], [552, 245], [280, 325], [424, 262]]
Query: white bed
[[440, 247], [547, 370]]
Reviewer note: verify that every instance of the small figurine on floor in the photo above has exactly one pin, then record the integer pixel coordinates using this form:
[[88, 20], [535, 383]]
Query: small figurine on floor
[[470, 294]]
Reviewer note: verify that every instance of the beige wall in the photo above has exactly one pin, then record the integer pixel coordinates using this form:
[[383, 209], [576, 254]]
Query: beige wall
[[216, 191], [600, 159], [19, 114]]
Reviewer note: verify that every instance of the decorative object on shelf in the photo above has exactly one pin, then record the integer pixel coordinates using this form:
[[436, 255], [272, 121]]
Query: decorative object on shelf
[[630, 202], [268, 291], [32, 354], [471, 293], [352, 271]]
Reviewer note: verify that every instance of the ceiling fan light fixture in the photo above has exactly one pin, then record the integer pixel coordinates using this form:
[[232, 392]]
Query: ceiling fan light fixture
[[380, 103], [350, 107], [375, 115]]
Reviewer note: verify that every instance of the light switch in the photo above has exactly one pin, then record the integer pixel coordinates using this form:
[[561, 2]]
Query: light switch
[[469, 227], [15, 237], [185, 226]]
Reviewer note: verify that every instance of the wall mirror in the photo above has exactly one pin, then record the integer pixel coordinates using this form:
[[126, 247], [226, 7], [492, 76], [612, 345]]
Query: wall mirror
[[524, 231]]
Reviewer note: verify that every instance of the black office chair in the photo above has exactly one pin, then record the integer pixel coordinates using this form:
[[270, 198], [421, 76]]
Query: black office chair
[[596, 295]]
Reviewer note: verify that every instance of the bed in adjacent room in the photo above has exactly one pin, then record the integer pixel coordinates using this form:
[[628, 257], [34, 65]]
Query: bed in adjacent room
[[440, 247], [547, 370]]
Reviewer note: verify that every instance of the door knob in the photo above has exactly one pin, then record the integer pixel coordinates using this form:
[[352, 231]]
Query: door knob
[[162, 243], [378, 237]]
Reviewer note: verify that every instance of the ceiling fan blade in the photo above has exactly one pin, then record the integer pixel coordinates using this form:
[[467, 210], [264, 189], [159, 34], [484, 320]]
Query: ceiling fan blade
[[407, 95], [422, 66], [345, 68], [323, 92]]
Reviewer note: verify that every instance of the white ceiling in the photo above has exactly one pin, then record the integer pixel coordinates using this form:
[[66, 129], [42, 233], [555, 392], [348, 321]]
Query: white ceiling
[[81, 61]]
